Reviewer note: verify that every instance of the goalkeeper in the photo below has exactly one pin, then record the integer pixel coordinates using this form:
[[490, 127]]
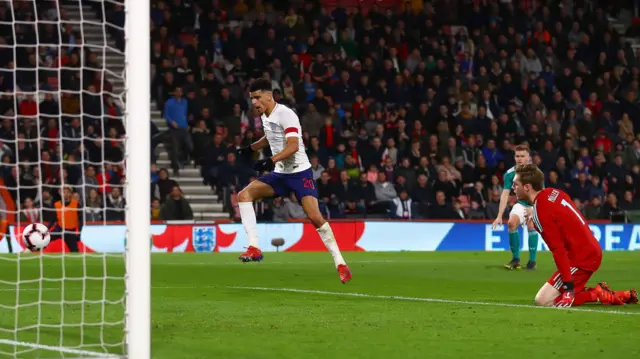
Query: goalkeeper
[[68, 220]]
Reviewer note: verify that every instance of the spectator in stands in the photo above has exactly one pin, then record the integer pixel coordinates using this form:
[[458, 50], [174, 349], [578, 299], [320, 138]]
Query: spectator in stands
[[345, 191], [46, 204], [364, 195], [442, 209], [474, 95], [446, 184], [280, 211], [29, 213], [72, 136], [492, 154], [476, 211], [113, 146], [176, 207], [156, 208], [88, 182], [459, 210], [26, 150], [611, 209], [403, 207], [115, 205], [93, 209], [628, 203], [293, 207], [27, 182], [154, 174], [28, 107], [385, 193], [214, 160], [316, 167], [201, 141], [491, 208], [175, 112], [232, 174], [165, 185], [580, 187]]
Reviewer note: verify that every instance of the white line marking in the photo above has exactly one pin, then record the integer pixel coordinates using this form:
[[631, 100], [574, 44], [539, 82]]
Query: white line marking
[[430, 300], [59, 349], [280, 263], [371, 296], [408, 261]]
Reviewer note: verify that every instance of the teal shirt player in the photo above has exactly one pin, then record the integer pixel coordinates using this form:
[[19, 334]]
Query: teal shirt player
[[509, 178]]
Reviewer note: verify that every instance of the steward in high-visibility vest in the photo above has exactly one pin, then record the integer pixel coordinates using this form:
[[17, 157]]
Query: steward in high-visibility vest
[[68, 220]]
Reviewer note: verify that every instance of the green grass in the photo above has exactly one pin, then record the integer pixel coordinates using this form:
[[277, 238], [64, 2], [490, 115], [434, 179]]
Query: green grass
[[200, 311]]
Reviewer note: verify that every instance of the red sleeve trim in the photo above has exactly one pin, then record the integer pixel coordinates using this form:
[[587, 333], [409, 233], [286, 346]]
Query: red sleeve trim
[[290, 130]]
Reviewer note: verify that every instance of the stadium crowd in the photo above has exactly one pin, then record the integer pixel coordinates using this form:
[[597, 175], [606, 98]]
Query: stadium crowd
[[409, 109], [409, 112], [61, 128]]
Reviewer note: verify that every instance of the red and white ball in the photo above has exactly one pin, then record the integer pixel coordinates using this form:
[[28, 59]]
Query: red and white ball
[[36, 236]]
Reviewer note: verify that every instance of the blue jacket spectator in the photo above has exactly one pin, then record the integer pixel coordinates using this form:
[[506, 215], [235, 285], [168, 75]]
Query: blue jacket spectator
[[175, 111], [492, 154]]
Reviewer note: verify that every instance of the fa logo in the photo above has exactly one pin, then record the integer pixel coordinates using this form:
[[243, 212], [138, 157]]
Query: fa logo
[[204, 239]]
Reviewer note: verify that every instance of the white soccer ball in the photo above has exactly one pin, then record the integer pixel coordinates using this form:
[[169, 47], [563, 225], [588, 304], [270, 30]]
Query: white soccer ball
[[36, 236]]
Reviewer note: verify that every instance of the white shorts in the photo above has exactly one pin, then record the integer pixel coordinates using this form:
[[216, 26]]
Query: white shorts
[[518, 210]]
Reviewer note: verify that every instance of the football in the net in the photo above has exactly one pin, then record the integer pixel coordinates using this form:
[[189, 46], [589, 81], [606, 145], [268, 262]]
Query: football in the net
[[36, 236]]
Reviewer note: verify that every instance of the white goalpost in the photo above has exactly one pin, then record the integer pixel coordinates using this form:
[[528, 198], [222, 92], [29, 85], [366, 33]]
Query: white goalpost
[[75, 153], [138, 171]]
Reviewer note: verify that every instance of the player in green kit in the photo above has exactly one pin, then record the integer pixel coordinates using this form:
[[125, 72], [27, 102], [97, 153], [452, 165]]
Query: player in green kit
[[517, 215]]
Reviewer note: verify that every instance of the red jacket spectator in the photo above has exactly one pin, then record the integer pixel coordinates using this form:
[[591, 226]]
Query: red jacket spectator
[[29, 107], [328, 136], [594, 105], [403, 51], [53, 134], [603, 141], [62, 61], [542, 36], [358, 109], [305, 60], [103, 181]]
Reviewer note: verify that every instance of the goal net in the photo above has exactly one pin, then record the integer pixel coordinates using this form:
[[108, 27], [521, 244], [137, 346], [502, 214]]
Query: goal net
[[72, 161]]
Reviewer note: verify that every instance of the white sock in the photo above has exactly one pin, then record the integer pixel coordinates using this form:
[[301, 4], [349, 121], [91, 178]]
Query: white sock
[[248, 216], [329, 240]]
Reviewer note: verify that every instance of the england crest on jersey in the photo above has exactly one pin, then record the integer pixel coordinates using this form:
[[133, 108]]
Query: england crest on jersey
[[204, 239]]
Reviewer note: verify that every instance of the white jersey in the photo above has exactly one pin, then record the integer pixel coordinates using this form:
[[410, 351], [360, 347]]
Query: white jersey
[[281, 124]]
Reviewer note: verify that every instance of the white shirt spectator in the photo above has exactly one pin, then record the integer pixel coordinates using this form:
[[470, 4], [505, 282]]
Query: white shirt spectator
[[403, 208]]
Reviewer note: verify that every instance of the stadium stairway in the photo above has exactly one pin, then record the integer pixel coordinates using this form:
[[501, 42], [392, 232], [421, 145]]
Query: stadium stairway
[[203, 202]]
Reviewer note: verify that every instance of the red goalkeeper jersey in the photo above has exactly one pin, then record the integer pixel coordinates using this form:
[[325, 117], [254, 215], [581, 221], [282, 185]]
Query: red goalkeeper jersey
[[566, 232]]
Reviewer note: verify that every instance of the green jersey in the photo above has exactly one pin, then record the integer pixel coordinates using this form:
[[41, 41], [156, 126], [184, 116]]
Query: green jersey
[[509, 178]]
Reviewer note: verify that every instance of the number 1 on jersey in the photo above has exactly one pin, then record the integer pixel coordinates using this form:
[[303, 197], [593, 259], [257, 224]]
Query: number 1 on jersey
[[568, 205]]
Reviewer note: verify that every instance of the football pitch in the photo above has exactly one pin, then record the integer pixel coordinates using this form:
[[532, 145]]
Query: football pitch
[[292, 305]]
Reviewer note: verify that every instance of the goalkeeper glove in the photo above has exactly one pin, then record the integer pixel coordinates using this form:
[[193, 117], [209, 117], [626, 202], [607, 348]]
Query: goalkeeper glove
[[567, 297], [264, 165]]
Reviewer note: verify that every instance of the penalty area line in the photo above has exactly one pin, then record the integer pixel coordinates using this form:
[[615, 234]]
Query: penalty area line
[[429, 300], [87, 353]]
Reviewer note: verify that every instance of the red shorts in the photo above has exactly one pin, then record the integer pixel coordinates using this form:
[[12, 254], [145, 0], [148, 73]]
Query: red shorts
[[580, 279]]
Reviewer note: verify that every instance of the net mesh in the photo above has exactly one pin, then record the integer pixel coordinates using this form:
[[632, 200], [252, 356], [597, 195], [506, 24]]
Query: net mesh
[[62, 139]]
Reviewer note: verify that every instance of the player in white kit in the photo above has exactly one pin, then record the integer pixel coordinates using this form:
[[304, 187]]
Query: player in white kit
[[291, 172]]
